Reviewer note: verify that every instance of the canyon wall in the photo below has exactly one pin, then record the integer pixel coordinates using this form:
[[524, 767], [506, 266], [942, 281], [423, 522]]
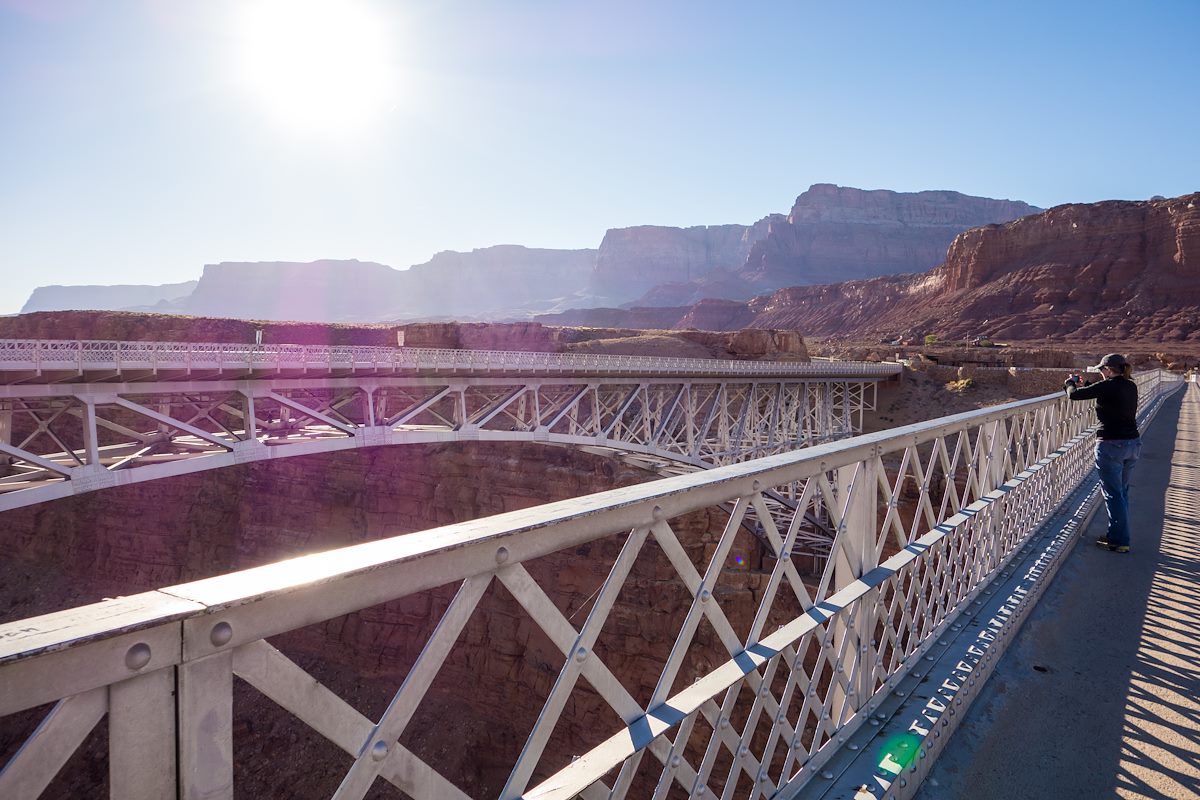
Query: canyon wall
[[476, 717], [834, 233], [631, 261], [1112, 273]]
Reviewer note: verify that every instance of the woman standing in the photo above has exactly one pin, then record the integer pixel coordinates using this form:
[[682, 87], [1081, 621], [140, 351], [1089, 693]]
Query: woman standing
[[1117, 441]]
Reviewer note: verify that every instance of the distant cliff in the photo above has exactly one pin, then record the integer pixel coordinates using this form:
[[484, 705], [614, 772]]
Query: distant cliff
[[631, 261], [506, 279], [1113, 271], [831, 233], [104, 298]]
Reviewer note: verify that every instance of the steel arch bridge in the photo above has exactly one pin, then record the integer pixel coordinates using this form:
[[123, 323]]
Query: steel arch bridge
[[81, 416]]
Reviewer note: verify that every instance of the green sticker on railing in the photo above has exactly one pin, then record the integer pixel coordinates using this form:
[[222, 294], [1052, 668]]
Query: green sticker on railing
[[898, 751]]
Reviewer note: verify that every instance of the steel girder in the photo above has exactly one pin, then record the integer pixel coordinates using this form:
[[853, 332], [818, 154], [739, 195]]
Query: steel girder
[[62, 439]]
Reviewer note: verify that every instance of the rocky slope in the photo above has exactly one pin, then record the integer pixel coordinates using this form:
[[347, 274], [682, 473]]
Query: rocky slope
[[1115, 271]]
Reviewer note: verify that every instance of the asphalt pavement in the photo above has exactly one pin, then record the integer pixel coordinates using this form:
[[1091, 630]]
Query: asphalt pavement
[[1099, 695]]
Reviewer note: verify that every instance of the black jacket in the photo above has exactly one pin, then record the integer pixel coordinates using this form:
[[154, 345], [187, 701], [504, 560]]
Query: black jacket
[[1116, 405]]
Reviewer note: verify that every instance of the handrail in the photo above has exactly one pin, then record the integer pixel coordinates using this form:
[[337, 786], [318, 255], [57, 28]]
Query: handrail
[[983, 481], [16, 354]]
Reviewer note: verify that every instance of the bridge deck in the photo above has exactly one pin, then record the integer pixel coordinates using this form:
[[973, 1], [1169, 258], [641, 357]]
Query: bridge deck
[[1098, 697]]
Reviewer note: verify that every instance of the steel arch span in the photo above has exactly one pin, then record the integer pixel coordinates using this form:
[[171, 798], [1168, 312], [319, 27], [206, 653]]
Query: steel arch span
[[119, 421]]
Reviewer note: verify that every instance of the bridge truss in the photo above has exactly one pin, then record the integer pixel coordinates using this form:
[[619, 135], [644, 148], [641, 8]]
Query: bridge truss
[[83, 416], [926, 516]]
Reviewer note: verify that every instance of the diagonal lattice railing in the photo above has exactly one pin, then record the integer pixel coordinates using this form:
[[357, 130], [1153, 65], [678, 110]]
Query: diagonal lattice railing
[[750, 694]]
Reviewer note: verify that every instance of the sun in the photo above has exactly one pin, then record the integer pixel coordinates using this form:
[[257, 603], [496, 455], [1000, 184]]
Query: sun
[[316, 66]]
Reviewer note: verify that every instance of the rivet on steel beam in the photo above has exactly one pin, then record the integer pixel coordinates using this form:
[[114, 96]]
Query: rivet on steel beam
[[705, 596], [675, 760], [658, 514], [797, 741], [221, 633], [581, 654], [501, 555], [743, 751], [874, 722], [724, 722], [764, 690], [903, 782], [827, 775], [852, 746], [701, 790], [756, 486], [763, 777], [137, 656], [379, 751]]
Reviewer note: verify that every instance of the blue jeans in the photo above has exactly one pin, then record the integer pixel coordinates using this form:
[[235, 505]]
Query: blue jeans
[[1114, 460]]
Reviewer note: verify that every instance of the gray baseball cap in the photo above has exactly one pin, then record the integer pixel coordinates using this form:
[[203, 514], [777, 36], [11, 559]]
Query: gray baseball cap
[[1113, 361]]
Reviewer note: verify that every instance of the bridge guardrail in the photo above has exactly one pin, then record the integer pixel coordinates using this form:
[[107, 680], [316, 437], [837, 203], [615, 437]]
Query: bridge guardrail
[[924, 515], [44, 354]]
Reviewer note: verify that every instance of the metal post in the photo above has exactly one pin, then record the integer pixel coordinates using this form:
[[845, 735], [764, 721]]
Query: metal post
[[858, 489], [90, 432], [206, 728], [141, 737]]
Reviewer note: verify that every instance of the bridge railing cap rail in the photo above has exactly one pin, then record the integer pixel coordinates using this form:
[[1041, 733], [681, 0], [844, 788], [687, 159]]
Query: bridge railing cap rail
[[17, 353]]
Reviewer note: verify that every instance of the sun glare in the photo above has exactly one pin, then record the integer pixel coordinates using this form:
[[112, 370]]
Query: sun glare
[[316, 66]]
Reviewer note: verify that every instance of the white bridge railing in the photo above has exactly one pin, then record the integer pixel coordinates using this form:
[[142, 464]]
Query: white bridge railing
[[755, 689], [39, 355]]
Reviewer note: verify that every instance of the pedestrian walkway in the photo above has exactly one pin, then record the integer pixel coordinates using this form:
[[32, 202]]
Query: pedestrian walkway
[[1099, 696]]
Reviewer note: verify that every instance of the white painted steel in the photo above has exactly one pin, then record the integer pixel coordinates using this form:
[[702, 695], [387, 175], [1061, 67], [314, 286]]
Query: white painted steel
[[129, 425], [141, 737], [955, 498], [40, 356]]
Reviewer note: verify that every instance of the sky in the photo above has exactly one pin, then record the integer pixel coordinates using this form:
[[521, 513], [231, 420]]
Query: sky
[[142, 139]]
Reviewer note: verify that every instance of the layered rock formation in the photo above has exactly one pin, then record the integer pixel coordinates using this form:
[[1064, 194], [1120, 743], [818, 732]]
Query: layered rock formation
[[1102, 272], [631, 261], [105, 298], [834, 233], [831, 232], [505, 278]]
